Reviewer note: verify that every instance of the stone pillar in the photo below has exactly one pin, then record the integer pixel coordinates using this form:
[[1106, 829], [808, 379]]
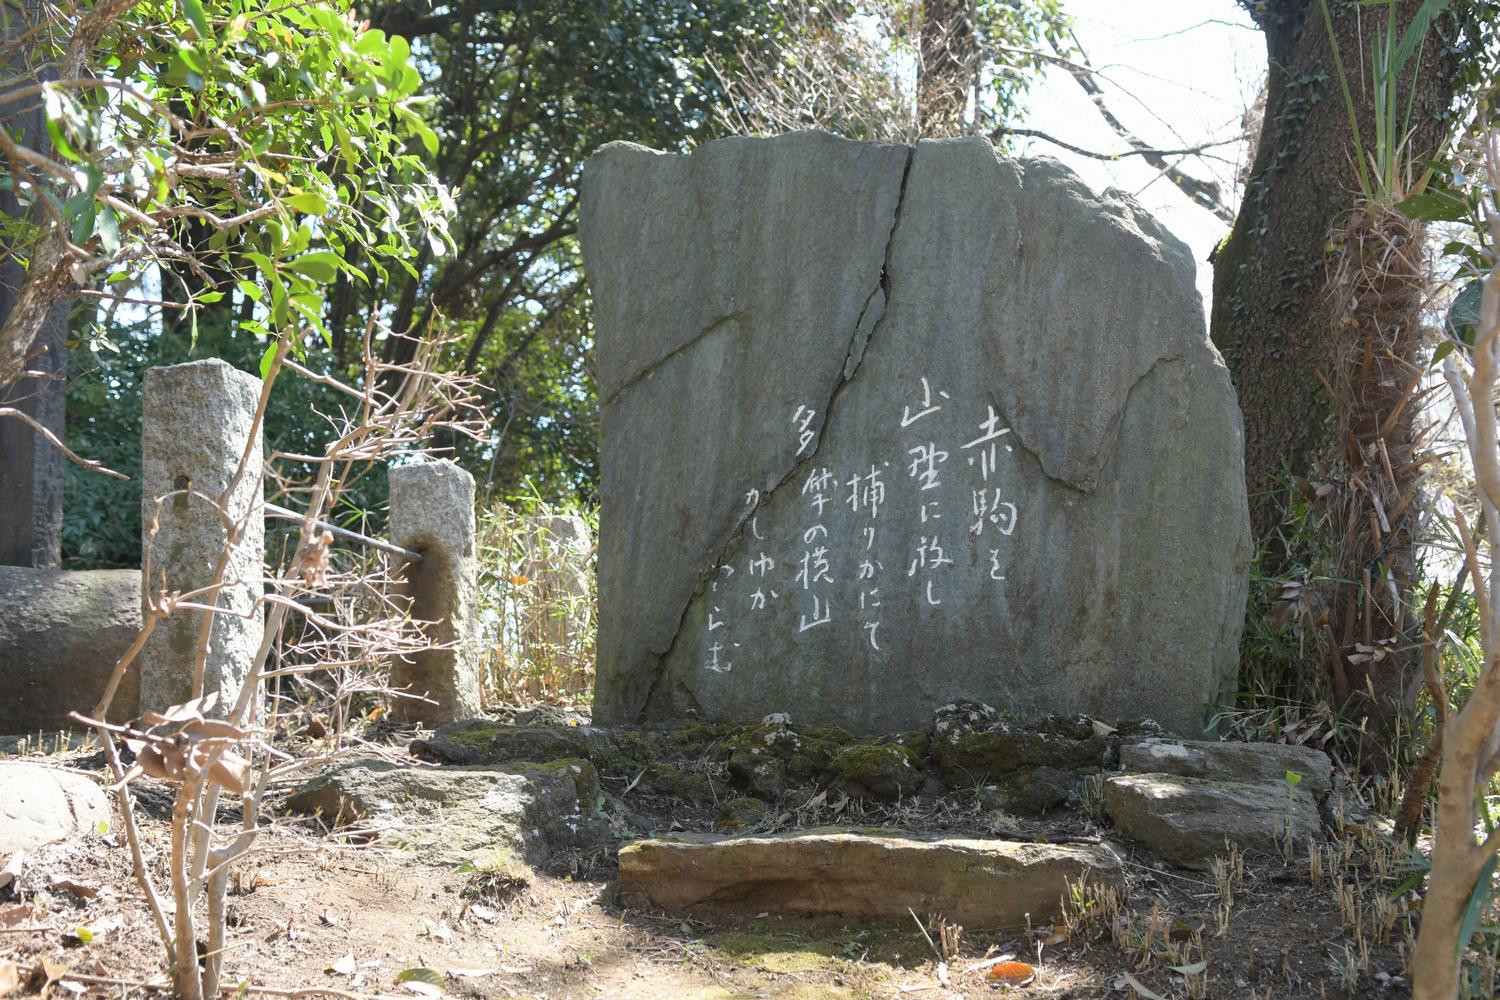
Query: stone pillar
[[195, 422], [432, 512]]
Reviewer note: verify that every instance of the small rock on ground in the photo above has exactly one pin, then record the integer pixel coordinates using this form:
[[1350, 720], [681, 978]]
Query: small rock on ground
[[453, 814], [1188, 821], [39, 805], [1230, 761]]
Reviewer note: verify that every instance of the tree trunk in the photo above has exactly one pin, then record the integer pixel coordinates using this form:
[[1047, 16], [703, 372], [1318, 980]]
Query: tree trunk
[[31, 469], [1270, 311]]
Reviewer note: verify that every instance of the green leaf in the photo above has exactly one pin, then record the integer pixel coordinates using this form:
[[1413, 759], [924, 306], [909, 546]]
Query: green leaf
[[428, 136], [108, 229], [308, 203], [1462, 321], [1479, 898], [266, 359], [1434, 206], [60, 140], [1293, 778], [83, 222], [249, 289], [420, 975], [194, 11], [320, 265], [1442, 351]]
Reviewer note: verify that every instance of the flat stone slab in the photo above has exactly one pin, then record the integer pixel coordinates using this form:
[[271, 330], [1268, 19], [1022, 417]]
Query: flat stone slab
[[883, 427], [1189, 821], [1230, 761], [39, 805], [453, 814], [978, 883]]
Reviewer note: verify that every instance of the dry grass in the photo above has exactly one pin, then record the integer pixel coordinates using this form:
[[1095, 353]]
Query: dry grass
[[537, 602]]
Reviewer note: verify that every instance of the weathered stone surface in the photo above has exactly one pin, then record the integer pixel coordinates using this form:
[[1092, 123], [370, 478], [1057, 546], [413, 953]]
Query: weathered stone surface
[[41, 804], [60, 635], [451, 814], [478, 741], [967, 755], [195, 423], [767, 759], [886, 771], [936, 329], [432, 512], [1188, 820], [1230, 761], [977, 883], [1038, 790]]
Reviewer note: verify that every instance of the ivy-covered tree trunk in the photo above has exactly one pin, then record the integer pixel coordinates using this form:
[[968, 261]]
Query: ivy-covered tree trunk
[[1270, 312], [31, 469]]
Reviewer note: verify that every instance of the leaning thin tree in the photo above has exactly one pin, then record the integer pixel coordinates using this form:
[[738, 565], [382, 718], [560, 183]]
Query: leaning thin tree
[[1461, 860]]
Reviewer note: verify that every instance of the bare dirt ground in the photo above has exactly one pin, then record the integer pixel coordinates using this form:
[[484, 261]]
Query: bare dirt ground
[[308, 919]]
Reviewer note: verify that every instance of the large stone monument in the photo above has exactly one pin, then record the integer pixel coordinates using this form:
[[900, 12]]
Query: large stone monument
[[884, 427]]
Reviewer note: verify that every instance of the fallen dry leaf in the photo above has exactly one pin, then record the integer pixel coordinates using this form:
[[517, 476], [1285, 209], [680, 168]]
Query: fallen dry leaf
[[344, 966], [76, 888], [10, 976], [1011, 974]]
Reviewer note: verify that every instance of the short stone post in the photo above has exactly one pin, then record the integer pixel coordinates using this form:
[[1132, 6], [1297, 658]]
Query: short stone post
[[432, 512], [195, 422]]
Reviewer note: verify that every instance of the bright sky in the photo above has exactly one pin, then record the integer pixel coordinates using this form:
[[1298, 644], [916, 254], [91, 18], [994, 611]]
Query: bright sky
[[1176, 72]]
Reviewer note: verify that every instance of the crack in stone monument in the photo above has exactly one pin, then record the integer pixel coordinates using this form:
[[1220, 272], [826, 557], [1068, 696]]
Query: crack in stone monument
[[1083, 484], [859, 341], [653, 367]]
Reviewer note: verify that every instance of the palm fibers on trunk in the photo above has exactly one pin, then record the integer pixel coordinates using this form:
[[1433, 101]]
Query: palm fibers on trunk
[[1377, 287]]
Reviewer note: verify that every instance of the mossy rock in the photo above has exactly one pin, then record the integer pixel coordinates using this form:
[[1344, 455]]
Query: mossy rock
[[738, 814], [885, 770], [768, 758], [624, 753], [480, 741], [1005, 750], [759, 774], [1039, 790], [696, 738], [667, 779], [1140, 729], [958, 719]]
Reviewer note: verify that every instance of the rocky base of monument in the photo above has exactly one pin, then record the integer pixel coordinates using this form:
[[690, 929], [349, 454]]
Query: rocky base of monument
[[539, 855], [973, 774]]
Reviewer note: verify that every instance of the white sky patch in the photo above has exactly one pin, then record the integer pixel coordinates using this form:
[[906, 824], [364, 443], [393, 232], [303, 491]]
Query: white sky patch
[[1177, 73]]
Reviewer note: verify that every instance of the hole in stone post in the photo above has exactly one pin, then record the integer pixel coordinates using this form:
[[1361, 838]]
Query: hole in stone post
[[182, 483]]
